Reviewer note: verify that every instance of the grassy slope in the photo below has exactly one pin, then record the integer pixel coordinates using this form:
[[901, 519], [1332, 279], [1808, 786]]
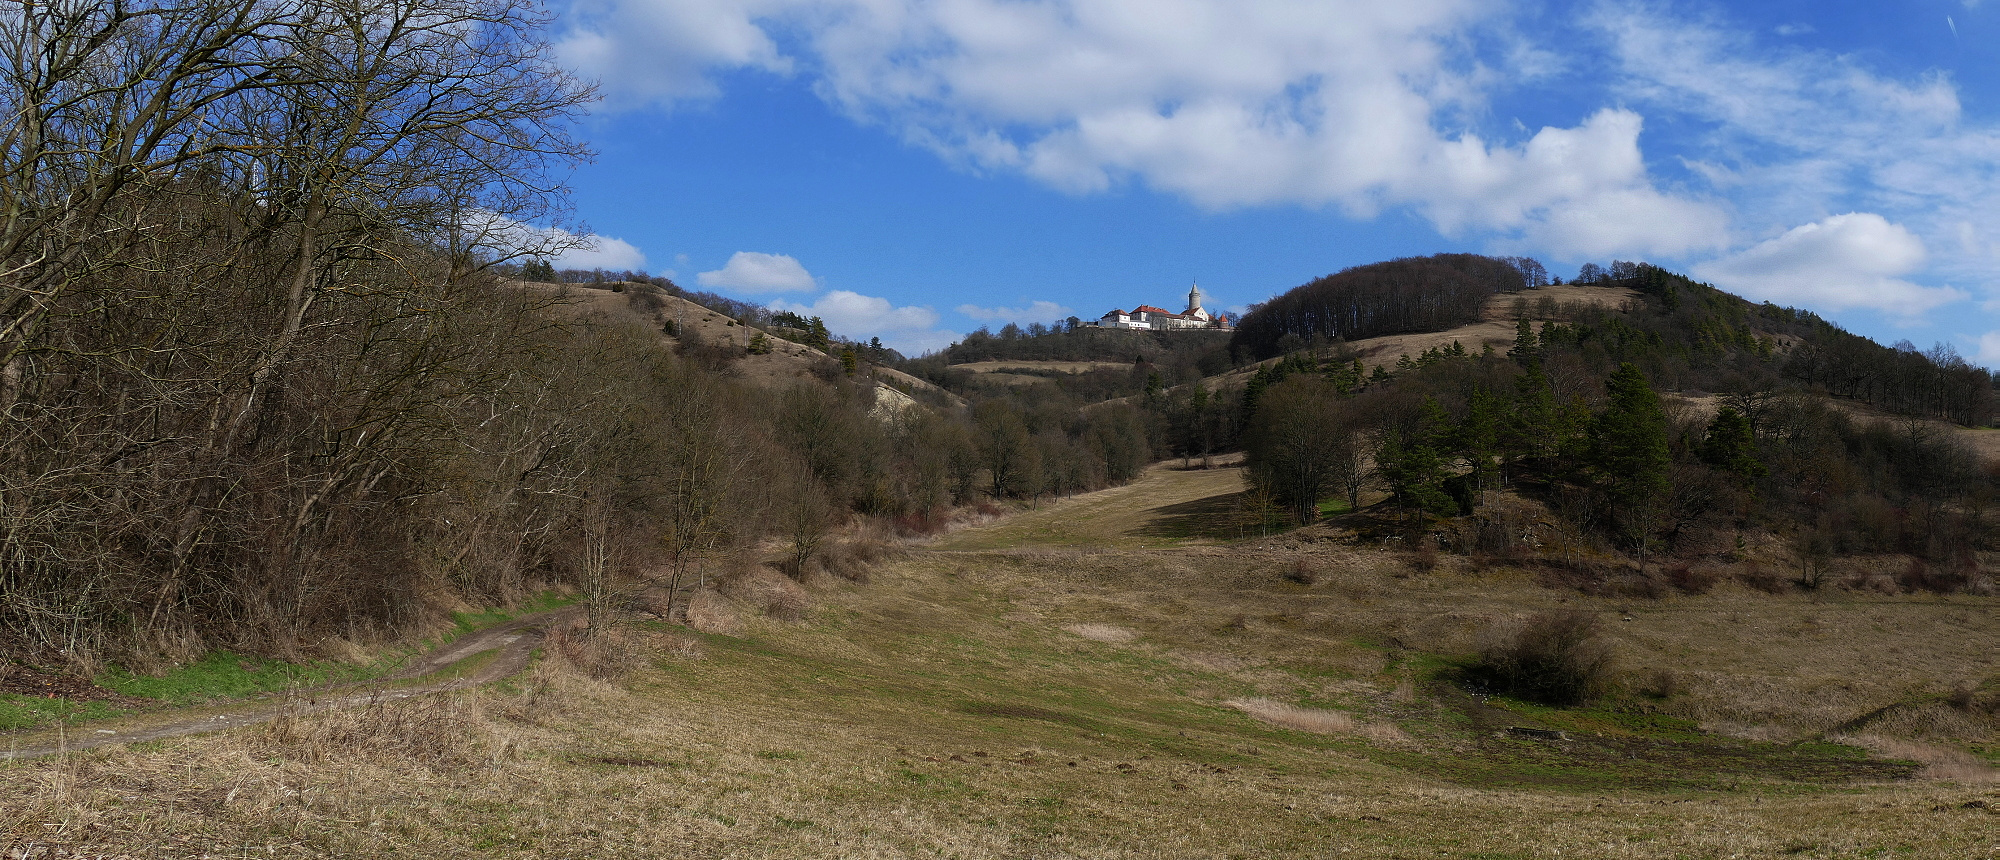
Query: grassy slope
[[1047, 687]]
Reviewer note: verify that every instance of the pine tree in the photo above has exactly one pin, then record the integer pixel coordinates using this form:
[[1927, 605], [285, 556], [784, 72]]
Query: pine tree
[[1628, 449], [1527, 349], [1731, 446], [1411, 465]]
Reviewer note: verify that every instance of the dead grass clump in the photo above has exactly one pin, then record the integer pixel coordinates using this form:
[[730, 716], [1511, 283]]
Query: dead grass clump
[[1689, 579], [436, 731], [1555, 657], [710, 612], [768, 591], [1314, 720], [922, 523], [853, 559], [1940, 763], [606, 650], [1111, 633], [1762, 578]]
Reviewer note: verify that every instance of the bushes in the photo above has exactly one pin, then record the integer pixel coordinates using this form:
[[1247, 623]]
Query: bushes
[[1558, 658]]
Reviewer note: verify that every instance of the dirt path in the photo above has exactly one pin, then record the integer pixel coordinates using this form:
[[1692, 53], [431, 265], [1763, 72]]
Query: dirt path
[[515, 641]]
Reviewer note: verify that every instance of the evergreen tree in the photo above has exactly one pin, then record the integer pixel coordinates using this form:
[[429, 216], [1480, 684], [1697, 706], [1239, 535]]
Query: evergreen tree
[[1628, 449], [1479, 436], [1731, 447], [1411, 465], [1527, 349]]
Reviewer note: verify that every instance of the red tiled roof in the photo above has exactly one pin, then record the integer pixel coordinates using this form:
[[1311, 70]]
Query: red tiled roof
[[1149, 309]]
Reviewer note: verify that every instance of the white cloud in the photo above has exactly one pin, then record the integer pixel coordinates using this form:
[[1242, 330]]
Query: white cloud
[[753, 272], [657, 52], [1855, 260], [1796, 135], [1036, 311], [502, 236], [602, 252], [1989, 349], [910, 329], [1349, 103]]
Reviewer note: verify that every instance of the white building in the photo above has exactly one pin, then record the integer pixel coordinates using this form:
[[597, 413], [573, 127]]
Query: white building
[[1148, 317]]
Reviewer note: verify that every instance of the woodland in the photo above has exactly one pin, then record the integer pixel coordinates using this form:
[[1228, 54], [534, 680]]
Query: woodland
[[268, 379]]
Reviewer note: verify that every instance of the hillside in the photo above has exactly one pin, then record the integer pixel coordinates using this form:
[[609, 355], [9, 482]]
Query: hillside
[[786, 362], [1120, 692]]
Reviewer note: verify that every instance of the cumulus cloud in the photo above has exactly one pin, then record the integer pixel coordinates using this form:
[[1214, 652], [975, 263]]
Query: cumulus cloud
[[601, 252], [1346, 103], [658, 52], [754, 272], [1989, 349], [1855, 260], [1036, 311], [911, 330], [505, 237], [1794, 134]]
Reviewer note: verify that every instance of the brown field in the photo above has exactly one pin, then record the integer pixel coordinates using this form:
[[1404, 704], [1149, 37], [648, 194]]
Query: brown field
[[1097, 678]]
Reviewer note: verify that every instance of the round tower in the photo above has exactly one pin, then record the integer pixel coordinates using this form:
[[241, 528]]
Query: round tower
[[1194, 298]]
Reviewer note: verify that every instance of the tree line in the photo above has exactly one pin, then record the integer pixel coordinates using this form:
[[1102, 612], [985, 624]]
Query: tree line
[[265, 382], [1571, 416], [1411, 294]]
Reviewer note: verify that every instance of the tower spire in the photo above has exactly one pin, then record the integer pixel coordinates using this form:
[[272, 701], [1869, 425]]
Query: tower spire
[[1194, 297]]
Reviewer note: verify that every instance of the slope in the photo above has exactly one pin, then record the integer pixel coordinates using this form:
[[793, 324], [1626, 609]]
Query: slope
[[1103, 702]]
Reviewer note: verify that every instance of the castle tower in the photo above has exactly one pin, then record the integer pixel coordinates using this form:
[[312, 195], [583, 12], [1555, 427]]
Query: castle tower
[[1194, 310]]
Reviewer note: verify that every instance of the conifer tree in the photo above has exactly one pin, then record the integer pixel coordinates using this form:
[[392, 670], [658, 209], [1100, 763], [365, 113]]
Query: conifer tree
[[1628, 449], [1731, 446]]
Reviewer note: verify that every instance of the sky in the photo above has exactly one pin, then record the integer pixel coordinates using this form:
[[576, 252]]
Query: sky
[[916, 169]]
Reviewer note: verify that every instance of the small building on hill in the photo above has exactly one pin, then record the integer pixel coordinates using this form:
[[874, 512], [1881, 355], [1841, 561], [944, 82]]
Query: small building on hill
[[1147, 317]]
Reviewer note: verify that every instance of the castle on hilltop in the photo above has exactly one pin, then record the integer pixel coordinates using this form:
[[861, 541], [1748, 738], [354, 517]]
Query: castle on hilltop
[[1160, 319]]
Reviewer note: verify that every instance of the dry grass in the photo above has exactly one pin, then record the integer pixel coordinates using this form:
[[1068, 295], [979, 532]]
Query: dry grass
[[943, 709], [1117, 517], [1109, 633], [1316, 721]]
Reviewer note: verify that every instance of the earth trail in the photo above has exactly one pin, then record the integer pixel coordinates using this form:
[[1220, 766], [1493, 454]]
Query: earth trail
[[515, 641]]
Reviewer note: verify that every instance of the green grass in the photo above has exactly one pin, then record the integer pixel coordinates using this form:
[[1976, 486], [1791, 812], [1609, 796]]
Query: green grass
[[225, 675], [467, 622], [24, 712]]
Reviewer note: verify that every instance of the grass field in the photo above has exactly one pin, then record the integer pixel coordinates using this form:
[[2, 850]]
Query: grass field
[[1091, 680]]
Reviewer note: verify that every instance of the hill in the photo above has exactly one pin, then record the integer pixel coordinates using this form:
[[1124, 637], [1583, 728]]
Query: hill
[[722, 340]]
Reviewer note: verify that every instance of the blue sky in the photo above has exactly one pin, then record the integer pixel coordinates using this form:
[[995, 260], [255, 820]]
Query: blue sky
[[914, 169]]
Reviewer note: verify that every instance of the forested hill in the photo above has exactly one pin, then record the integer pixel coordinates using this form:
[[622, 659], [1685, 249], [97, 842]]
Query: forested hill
[[1411, 294]]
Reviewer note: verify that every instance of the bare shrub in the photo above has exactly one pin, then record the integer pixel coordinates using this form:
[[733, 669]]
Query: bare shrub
[[1555, 657], [1303, 572], [1763, 579], [1661, 684], [1688, 579], [1425, 558]]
